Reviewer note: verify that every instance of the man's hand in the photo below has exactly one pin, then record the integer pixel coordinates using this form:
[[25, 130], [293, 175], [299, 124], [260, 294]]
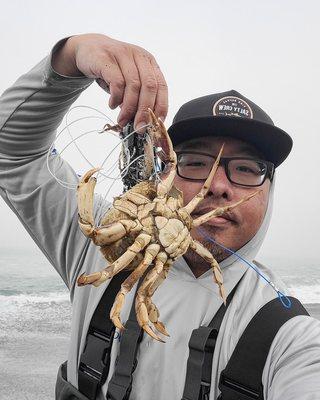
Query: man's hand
[[130, 73]]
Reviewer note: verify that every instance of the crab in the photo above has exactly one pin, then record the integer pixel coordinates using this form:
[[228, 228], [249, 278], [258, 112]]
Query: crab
[[148, 227]]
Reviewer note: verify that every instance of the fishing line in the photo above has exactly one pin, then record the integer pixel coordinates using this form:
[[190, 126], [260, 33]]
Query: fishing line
[[127, 159], [120, 143], [52, 151], [282, 297], [121, 175], [99, 131]]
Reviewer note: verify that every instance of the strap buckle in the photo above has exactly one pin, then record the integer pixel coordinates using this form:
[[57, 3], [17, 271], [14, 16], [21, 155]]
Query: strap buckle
[[204, 390], [95, 359], [232, 389]]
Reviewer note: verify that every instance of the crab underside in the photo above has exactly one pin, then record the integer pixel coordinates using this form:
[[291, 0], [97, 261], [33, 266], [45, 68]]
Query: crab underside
[[147, 227]]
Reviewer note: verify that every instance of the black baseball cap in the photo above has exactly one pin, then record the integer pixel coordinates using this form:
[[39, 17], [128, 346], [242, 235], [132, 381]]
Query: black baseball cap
[[231, 114]]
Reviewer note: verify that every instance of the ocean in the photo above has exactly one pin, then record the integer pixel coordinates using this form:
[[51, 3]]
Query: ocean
[[35, 316]]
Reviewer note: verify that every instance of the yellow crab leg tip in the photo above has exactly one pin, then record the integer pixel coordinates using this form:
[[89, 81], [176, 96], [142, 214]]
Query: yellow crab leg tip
[[89, 174], [151, 333], [117, 323], [95, 279], [161, 328], [223, 294], [82, 280], [152, 115]]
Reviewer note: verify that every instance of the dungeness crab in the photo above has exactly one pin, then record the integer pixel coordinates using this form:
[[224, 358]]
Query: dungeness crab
[[147, 225]]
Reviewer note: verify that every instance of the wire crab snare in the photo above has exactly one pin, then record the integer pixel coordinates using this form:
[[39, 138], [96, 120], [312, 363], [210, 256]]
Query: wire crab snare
[[147, 226]]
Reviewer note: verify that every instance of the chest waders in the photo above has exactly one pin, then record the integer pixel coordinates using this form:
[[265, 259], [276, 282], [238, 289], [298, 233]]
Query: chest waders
[[240, 380]]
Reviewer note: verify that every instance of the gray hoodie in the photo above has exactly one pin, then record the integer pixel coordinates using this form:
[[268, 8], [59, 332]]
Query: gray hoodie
[[30, 112]]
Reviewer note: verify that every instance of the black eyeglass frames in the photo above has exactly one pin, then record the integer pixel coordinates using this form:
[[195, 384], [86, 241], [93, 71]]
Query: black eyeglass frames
[[244, 171]]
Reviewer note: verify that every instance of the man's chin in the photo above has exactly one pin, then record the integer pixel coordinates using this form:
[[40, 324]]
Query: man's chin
[[210, 237], [206, 231], [217, 252]]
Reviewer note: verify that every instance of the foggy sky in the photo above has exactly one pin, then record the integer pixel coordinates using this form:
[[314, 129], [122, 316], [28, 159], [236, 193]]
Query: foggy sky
[[267, 50]]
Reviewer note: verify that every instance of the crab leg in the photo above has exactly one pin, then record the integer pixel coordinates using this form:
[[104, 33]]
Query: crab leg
[[160, 135], [148, 158], [146, 290], [207, 256], [221, 210], [108, 234], [204, 190], [150, 291], [123, 261], [150, 254]]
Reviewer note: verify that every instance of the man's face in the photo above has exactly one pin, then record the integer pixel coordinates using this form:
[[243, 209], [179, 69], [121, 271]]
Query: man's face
[[245, 219]]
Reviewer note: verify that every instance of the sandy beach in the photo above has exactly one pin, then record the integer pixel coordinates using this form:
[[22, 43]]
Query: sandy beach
[[313, 309], [31, 365]]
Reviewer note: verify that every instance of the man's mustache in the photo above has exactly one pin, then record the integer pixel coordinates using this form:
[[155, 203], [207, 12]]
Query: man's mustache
[[229, 215]]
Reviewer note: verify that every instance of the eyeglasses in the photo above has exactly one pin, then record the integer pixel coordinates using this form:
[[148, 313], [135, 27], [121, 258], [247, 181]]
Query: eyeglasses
[[242, 171]]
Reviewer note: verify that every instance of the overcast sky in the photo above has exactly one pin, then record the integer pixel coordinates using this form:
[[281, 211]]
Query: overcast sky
[[267, 50]]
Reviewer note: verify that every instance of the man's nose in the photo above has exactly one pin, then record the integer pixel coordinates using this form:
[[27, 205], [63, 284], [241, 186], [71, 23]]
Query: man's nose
[[220, 186]]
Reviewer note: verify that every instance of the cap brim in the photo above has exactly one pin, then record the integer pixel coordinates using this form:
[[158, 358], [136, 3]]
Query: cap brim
[[271, 141]]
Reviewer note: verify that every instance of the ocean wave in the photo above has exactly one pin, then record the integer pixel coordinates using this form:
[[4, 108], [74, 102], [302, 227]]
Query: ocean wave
[[49, 313], [306, 293], [10, 302]]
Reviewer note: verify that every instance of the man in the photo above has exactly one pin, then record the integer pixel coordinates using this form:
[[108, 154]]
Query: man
[[32, 110]]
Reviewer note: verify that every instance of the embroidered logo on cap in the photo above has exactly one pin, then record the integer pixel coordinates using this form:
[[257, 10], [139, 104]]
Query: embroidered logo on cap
[[232, 106]]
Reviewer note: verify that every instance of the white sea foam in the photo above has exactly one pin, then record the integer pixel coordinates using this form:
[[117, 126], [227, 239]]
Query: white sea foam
[[9, 304], [35, 313], [306, 293]]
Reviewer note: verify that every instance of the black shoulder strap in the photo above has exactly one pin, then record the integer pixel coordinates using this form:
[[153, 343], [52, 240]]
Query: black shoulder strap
[[95, 359], [201, 348], [242, 377], [120, 385]]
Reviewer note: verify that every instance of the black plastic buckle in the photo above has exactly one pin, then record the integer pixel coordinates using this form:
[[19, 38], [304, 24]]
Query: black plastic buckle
[[95, 359], [204, 390], [232, 389]]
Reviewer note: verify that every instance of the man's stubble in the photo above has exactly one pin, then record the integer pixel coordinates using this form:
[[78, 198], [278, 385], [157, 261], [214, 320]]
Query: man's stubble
[[196, 263]]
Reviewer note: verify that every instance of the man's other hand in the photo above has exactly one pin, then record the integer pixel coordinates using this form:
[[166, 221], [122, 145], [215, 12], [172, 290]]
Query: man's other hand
[[129, 73]]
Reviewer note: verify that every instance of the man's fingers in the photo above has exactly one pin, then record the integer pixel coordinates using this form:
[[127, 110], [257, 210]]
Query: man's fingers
[[161, 103], [132, 87], [134, 80], [114, 80], [149, 88]]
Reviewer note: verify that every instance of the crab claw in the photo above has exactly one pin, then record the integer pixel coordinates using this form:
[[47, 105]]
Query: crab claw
[[85, 191], [95, 279], [161, 138]]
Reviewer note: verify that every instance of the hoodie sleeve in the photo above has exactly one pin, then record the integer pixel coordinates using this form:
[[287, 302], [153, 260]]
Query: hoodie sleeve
[[30, 113], [292, 370]]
